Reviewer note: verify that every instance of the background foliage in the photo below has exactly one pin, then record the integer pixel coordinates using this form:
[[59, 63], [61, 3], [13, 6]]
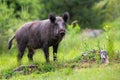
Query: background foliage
[[89, 14]]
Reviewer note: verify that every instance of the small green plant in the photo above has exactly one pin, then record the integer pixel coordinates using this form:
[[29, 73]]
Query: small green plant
[[74, 29], [110, 40], [47, 67], [6, 75], [67, 71]]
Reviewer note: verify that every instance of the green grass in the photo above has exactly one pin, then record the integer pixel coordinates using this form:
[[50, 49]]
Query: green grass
[[110, 72]]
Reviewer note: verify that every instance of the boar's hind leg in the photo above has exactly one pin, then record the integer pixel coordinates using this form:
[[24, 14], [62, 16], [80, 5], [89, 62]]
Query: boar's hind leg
[[21, 49], [55, 48], [30, 54], [46, 53]]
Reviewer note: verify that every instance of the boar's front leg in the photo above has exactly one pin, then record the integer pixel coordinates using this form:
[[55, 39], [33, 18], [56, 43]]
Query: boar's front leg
[[55, 48], [46, 52]]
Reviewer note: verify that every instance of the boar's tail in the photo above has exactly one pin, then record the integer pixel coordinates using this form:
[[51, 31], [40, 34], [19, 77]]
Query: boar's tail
[[10, 42]]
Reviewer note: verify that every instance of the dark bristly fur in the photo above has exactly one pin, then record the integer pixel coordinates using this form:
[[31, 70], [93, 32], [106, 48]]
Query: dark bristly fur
[[40, 34]]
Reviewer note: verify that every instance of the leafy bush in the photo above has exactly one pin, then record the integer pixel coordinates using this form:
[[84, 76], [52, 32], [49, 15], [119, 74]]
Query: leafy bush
[[6, 16]]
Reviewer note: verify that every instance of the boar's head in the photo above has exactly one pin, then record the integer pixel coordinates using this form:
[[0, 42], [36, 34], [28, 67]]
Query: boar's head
[[59, 24]]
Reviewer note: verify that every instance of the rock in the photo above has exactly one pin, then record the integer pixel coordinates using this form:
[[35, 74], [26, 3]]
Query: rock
[[104, 57], [25, 69], [92, 33], [89, 56], [92, 55]]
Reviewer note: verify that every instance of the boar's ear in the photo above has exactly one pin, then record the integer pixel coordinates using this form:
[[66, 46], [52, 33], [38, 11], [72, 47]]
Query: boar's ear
[[66, 16], [52, 17]]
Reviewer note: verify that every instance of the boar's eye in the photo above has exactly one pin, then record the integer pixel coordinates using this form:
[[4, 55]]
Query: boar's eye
[[56, 24], [64, 24]]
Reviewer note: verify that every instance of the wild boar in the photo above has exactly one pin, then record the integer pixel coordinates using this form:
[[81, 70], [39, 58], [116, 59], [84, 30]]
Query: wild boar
[[40, 34]]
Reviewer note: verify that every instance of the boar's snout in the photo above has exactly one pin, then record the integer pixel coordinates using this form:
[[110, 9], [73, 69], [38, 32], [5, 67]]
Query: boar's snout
[[62, 32]]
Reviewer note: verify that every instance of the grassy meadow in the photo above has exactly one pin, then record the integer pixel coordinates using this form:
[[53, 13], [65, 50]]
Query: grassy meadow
[[69, 66]]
